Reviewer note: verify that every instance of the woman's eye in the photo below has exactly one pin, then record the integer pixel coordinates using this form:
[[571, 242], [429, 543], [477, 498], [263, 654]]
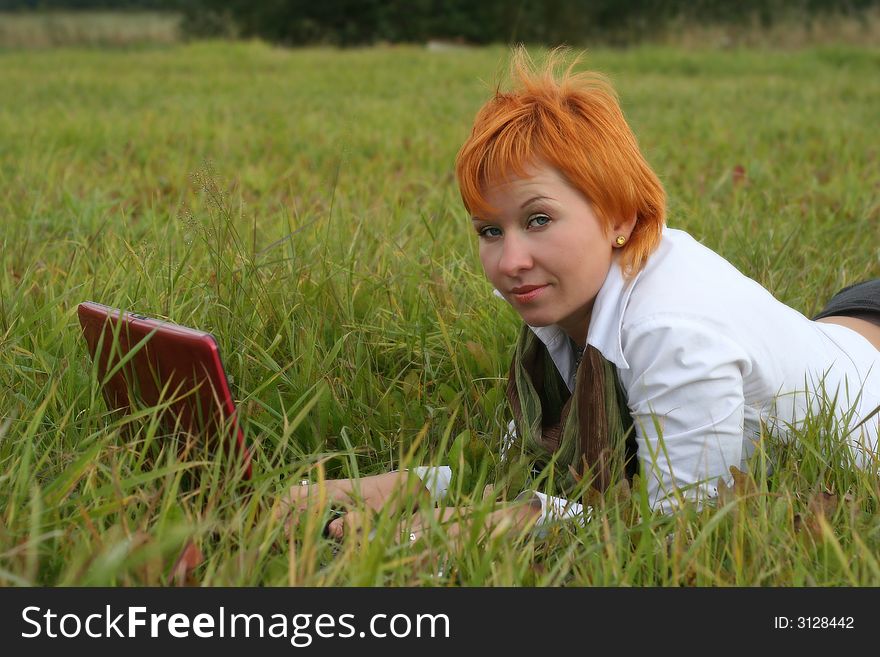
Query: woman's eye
[[539, 220], [489, 231]]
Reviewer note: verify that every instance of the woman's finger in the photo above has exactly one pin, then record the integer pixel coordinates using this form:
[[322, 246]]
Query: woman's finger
[[336, 528], [305, 494], [348, 524], [354, 523]]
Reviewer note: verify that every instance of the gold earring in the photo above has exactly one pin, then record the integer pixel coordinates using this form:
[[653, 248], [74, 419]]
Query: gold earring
[[621, 240]]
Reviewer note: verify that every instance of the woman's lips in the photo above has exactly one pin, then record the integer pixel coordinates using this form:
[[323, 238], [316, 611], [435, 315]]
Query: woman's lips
[[527, 293]]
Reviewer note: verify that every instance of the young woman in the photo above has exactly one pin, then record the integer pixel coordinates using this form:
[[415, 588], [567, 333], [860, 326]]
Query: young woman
[[631, 328]]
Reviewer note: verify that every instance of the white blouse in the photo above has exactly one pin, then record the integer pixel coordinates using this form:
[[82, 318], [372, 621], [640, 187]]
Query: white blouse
[[706, 356]]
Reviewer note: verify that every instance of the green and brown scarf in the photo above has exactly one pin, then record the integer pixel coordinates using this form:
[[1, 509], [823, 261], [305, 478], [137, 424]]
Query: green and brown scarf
[[586, 434]]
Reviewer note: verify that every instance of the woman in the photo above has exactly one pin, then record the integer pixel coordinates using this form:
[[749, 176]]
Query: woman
[[631, 329]]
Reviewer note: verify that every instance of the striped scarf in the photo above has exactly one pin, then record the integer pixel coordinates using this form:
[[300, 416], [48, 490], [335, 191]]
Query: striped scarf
[[585, 435]]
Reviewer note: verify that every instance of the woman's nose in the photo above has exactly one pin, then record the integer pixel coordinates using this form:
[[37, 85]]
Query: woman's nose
[[515, 255]]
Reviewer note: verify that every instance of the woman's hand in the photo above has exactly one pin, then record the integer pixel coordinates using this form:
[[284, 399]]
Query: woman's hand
[[348, 524], [515, 518], [352, 524], [375, 493], [304, 495], [456, 521], [307, 498]]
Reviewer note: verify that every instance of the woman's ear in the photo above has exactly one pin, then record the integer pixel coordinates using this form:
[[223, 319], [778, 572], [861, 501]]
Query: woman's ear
[[623, 229]]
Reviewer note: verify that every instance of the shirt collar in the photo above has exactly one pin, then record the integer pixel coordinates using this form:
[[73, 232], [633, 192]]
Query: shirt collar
[[606, 320]]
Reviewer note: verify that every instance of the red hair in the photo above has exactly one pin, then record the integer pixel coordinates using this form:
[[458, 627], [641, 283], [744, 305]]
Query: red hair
[[575, 125]]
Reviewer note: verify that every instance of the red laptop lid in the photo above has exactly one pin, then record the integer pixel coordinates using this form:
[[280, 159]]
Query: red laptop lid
[[167, 364]]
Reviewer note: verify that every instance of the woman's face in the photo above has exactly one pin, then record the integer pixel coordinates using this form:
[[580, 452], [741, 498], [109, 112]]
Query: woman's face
[[545, 250]]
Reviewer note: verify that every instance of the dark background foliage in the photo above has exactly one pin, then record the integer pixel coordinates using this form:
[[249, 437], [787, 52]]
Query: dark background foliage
[[355, 22], [360, 22]]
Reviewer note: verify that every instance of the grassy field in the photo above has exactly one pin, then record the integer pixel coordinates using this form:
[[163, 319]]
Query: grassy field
[[50, 29], [301, 206]]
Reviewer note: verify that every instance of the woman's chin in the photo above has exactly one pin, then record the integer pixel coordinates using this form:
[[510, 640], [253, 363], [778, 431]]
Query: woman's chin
[[538, 320]]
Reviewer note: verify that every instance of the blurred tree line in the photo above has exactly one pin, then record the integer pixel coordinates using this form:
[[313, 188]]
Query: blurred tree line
[[44, 5], [357, 22]]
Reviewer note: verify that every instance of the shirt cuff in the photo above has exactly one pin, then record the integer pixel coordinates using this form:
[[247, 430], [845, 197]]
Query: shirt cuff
[[556, 509], [436, 479]]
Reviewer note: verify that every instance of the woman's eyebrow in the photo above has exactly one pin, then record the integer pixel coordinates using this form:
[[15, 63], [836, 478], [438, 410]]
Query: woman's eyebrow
[[536, 198], [528, 202]]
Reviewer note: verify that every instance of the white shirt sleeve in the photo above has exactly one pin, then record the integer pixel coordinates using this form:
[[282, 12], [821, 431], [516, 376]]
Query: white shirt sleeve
[[556, 509], [685, 393], [436, 479]]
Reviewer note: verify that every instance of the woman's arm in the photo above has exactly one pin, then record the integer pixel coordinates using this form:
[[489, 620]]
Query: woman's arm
[[685, 392], [456, 521], [389, 491], [514, 518]]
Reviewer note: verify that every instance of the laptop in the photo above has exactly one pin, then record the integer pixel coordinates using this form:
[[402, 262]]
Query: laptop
[[146, 363]]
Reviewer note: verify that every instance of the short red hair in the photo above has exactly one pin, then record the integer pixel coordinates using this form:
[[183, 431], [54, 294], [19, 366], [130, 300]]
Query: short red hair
[[574, 124]]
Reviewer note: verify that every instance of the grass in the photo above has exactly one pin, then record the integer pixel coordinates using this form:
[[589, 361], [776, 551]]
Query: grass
[[89, 28], [301, 206]]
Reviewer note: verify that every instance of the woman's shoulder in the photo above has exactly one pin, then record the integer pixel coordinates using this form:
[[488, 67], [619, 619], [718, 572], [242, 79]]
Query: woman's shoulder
[[681, 258], [684, 278], [676, 294], [684, 296]]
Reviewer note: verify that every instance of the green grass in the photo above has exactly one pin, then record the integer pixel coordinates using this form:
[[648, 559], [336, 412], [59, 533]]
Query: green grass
[[89, 28], [301, 206]]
